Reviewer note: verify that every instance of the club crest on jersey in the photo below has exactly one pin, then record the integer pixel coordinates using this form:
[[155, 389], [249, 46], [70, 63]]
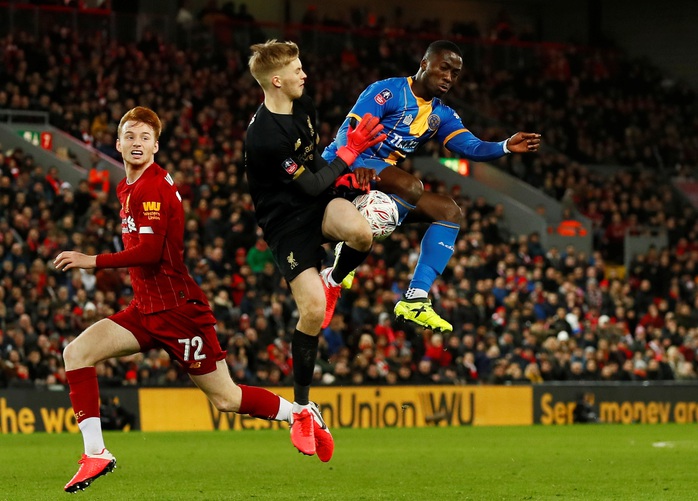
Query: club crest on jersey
[[433, 121], [298, 144], [310, 127], [290, 166], [126, 205], [383, 96]]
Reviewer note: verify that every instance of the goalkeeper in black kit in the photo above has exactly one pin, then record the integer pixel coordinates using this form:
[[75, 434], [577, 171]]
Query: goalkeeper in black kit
[[296, 205]]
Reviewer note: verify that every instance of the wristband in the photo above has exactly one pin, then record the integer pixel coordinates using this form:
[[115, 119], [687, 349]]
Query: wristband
[[504, 145]]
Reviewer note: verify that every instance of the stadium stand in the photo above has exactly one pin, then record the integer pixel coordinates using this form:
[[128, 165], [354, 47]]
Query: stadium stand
[[521, 313]]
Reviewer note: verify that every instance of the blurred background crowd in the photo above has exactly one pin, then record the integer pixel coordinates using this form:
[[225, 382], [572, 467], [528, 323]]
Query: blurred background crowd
[[522, 313]]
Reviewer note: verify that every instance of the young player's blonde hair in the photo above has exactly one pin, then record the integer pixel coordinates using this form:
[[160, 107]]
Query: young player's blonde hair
[[269, 57], [141, 114]]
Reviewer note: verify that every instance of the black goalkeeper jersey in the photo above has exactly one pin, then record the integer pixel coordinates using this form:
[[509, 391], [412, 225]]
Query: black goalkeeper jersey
[[277, 147]]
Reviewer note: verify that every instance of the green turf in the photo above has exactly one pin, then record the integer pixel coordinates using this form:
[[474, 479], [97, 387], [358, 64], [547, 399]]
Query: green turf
[[606, 462]]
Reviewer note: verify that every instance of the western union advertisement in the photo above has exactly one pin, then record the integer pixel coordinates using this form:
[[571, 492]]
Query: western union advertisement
[[351, 407], [170, 409]]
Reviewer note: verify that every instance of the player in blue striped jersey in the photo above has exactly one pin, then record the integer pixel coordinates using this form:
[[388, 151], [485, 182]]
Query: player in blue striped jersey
[[412, 113]]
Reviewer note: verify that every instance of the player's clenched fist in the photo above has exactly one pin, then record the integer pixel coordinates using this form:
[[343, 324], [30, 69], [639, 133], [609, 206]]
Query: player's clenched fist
[[70, 259]]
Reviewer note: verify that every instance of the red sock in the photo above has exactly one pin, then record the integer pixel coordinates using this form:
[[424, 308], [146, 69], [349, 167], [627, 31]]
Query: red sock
[[259, 403], [84, 392]]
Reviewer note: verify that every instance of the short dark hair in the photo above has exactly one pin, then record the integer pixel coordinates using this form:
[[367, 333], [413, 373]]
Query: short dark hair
[[442, 45]]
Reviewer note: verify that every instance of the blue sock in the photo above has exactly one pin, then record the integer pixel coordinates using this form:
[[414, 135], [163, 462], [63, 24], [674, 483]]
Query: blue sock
[[403, 208], [436, 250]]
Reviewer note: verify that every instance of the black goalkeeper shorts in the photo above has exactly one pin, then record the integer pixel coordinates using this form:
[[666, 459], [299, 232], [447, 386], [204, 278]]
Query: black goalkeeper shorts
[[296, 251]]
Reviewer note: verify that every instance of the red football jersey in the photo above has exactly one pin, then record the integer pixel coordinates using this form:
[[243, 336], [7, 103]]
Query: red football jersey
[[152, 205]]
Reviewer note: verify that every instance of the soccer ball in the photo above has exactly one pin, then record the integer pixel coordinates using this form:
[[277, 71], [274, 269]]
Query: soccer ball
[[380, 211]]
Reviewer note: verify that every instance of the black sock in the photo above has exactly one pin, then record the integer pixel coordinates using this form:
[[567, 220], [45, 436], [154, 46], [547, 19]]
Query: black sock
[[348, 260], [304, 352]]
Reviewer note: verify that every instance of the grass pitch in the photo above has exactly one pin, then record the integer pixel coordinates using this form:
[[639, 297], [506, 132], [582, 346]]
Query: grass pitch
[[593, 462]]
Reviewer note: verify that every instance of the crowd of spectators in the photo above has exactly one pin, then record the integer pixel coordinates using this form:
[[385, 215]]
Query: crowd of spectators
[[596, 107], [521, 313], [367, 21]]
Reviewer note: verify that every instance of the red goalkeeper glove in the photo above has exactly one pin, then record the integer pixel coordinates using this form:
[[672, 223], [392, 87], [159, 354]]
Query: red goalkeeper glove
[[347, 186], [361, 138]]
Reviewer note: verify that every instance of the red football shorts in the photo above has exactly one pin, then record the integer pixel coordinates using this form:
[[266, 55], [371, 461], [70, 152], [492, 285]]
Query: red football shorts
[[186, 333]]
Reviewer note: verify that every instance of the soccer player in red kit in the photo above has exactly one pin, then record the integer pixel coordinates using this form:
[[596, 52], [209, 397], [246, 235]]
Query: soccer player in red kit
[[169, 310]]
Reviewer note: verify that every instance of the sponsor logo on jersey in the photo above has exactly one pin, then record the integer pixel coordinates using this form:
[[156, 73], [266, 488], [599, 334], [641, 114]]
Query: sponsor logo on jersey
[[402, 144], [383, 96], [131, 225], [408, 120], [151, 210], [151, 206], [433, 121], [292, 260], [290, 166]]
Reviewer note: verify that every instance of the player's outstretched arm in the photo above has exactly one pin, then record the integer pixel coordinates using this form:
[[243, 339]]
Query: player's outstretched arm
[[147, 252], [523, 142], [314, 183], [366, 134], [67, 260]]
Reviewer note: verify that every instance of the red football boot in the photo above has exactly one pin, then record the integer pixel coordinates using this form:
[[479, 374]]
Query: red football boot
[[324, 443], [91, 468], [302, 436]]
